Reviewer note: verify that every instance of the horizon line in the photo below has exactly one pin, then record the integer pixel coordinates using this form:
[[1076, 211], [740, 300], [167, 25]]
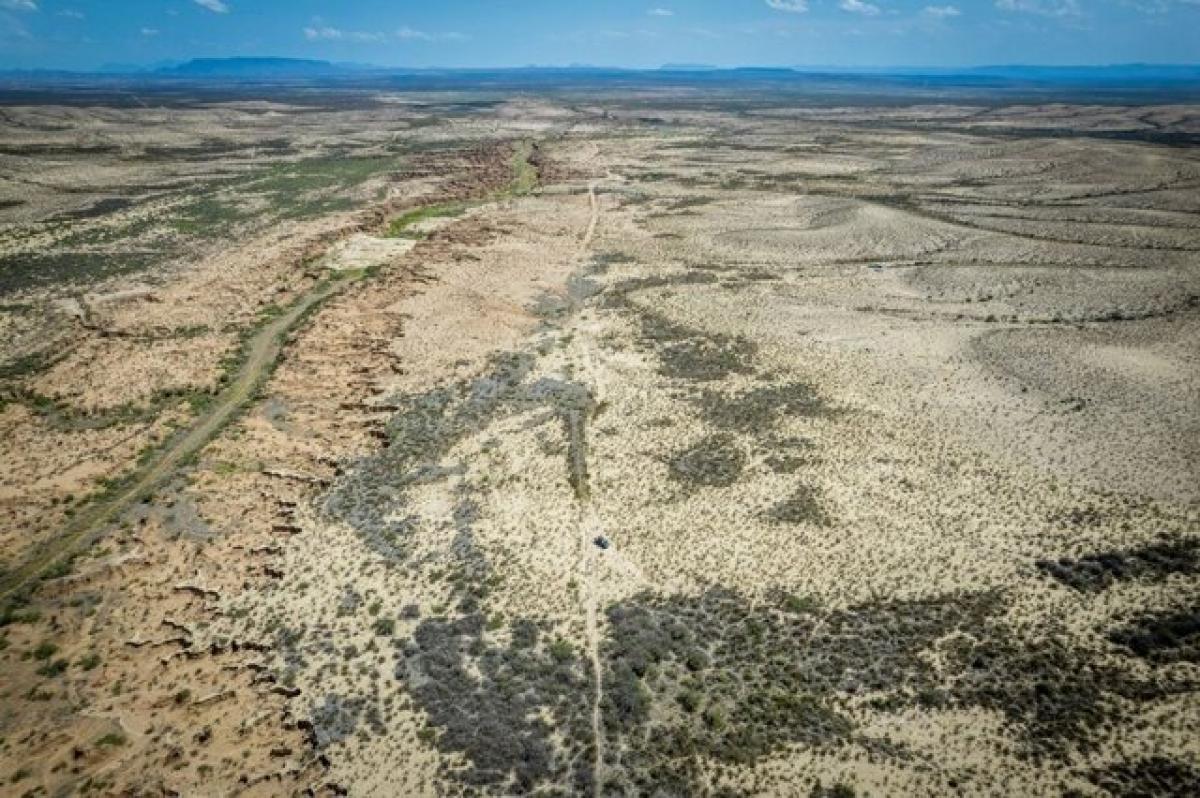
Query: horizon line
[[166, 66]]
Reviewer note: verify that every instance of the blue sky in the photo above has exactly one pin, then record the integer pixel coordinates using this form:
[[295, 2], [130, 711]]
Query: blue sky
[[89, 33]]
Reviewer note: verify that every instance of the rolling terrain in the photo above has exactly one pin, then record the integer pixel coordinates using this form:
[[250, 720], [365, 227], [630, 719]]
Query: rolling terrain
[[566, 441]]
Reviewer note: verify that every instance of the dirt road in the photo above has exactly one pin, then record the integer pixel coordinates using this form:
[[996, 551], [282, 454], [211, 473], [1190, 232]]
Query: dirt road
[[261, 355], [590, 528]]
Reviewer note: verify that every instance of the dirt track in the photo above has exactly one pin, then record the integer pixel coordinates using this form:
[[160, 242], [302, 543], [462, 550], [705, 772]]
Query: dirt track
[[261, 353]]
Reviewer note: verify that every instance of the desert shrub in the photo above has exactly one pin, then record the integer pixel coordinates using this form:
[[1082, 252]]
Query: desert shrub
[[839, 790], [53, 668], [801, 507], [1162, 637], [718, 676], [692, 354], [502, 707], [715, 461], [1152, 775], [1096, 572], [762, 408]]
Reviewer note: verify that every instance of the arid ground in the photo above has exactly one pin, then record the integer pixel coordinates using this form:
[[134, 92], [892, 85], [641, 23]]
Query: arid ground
[[396, 443]]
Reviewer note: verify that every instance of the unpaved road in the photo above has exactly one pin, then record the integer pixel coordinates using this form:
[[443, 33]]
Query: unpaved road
[[590, 528], [261, 356]]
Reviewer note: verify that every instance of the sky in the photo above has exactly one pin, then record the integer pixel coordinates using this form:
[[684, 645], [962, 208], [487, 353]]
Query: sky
[[86, 34]]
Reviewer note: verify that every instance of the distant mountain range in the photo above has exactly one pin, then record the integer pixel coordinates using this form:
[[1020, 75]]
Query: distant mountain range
[[1108, 72], [267, 68], [256, 67]]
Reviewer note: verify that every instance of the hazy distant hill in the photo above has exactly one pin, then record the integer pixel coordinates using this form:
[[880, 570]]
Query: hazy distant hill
[[270, 76], [1172, 77], [255, 67], [1109, 73]]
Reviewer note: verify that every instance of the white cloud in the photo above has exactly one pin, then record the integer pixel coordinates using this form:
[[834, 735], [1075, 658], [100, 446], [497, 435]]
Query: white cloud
[[1045, 8], [409, 34], [71, 13], [942, 12], [859, 7], [149, 31], [215, 6], [326, 33], [19, 5], [612, 33], [793, 6], [319, 32], [661, 12]]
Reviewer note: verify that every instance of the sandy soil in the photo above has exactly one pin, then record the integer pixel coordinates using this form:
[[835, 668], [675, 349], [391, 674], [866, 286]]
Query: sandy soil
[[772, 451]]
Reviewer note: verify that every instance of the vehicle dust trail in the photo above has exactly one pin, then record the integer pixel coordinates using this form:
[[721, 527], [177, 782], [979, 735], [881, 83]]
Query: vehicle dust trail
[[262, 352]]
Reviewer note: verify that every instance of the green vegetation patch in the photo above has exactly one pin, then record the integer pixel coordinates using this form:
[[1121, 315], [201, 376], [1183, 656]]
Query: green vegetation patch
[[53, 668], [399, 227], [45, 650], [524, 164], [324, 173], [28, 365], [29, 270], [209, 215], [297, 190]]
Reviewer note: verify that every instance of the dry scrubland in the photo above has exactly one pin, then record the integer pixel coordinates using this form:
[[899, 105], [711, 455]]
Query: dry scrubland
[[888, 416]]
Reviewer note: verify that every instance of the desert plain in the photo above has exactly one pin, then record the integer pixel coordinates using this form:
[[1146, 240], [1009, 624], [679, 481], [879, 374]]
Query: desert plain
[[564, 442]]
